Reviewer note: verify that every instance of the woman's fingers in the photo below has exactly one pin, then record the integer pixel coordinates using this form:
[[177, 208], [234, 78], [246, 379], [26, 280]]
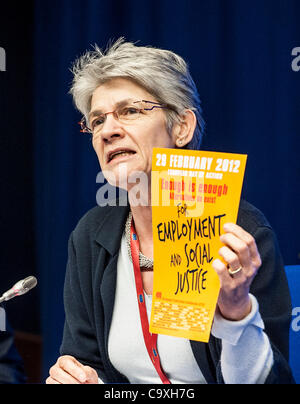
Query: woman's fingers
[[239, 253], [62, 377], [51, 381], [246, 238], [230, 257], [68, 370], [72, 367]]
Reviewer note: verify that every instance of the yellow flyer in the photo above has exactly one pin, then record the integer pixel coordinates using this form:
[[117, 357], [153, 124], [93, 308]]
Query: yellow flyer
[[194, 193]]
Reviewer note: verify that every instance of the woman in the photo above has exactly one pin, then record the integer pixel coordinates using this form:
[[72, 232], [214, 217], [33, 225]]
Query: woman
[[133, 99]]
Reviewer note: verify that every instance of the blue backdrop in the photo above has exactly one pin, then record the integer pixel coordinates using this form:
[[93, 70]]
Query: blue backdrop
[[240, 55]]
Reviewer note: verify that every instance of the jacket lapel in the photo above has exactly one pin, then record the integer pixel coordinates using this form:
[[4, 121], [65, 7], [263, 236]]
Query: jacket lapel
[[110, 231]]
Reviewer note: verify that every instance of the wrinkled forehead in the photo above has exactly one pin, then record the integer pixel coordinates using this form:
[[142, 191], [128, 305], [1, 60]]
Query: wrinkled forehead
[[113, 92]]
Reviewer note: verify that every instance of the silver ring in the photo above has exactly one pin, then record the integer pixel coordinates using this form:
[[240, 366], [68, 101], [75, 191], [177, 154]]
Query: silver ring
[[231, 272]]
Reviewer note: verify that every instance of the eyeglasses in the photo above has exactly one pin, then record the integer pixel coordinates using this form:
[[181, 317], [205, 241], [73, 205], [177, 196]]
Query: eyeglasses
[[123, 113]]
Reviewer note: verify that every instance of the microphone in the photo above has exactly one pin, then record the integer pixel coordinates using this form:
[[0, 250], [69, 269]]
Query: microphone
[[20, 288]]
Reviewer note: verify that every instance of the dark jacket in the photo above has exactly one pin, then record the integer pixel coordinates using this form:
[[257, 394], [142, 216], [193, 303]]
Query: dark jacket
[[90, 292]]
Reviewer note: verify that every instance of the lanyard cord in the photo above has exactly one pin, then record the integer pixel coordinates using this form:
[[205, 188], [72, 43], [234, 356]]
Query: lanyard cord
[[149, 339]]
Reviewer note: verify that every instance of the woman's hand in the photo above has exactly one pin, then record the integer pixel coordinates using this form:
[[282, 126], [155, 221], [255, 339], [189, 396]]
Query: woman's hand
[[68, 370], [240, 250]]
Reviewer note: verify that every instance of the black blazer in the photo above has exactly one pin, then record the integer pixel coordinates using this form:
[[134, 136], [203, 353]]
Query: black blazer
[[90, 284]]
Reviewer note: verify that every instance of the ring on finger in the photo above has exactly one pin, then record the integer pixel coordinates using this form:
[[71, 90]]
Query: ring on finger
[[236, 271]]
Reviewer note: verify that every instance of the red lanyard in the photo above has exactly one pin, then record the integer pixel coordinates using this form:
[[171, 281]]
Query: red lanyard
[[150, 339]]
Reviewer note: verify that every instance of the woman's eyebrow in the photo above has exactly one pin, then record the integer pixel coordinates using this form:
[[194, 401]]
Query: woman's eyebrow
[[99, 111]]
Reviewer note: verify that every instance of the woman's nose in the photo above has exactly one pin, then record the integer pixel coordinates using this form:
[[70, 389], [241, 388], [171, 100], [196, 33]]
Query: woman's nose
[[111, 128]]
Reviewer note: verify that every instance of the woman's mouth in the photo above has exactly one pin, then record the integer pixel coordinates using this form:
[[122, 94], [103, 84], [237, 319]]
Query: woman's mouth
[[119, 154]]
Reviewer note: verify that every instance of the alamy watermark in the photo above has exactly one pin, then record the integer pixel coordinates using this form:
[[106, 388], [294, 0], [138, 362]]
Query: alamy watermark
[[296, 320], [172, 185], [296, 61], [2, 60]]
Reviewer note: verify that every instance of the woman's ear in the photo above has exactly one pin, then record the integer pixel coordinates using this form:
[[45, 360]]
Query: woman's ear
[[183, 131]]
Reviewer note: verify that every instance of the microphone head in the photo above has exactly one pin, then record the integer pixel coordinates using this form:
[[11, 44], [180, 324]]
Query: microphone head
[[29, 283], [20, 288]]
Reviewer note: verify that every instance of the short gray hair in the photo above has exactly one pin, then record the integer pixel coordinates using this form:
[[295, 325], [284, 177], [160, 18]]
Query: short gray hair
[[163, 73]]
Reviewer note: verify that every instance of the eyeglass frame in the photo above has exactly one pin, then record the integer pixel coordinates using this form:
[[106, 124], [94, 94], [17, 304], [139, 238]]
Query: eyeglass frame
[[86, 129]]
